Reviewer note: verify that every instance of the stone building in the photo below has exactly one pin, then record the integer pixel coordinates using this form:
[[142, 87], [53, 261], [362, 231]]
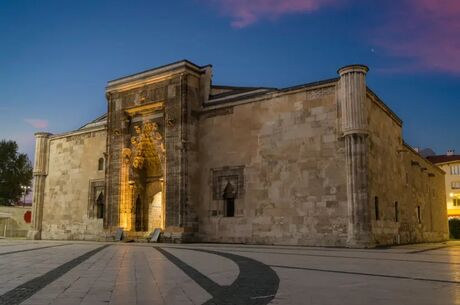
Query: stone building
[[322, 164], [450, 163]]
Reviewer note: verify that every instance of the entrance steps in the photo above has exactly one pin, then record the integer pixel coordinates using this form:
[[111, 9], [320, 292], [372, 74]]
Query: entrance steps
[[170, 235], [138, 237]]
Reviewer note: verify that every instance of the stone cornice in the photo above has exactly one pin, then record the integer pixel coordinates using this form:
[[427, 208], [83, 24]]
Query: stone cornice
[[154, 75], [353, 68], [268, 95], [78, 132], [42, 134], [383, 106], [429, 163]]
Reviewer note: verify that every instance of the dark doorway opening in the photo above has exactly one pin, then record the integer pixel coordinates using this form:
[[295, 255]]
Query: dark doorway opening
[[229, 198], [230, 207], [100, 206], [138, 224]]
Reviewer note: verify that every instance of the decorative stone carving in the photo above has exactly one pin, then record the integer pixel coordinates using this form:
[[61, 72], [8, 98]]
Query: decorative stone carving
[[126, 153], [171, 123], [148, 137]]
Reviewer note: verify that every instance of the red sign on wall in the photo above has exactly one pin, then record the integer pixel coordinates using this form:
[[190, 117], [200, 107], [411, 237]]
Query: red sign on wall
[[28, 216]]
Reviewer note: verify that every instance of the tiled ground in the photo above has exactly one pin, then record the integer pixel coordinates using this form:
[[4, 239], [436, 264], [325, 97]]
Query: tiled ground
[[91, 273]]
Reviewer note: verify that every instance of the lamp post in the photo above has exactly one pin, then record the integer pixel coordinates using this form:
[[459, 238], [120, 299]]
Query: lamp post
[[25, 189]]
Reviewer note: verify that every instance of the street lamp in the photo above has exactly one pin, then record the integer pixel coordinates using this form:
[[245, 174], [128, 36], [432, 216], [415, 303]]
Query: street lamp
[[25, 189]]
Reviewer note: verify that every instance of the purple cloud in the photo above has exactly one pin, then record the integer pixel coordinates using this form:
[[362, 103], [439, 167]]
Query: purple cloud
[[427, 32], [37, 123], [247, 12]]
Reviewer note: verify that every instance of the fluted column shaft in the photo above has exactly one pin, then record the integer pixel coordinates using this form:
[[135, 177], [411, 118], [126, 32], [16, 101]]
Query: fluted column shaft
[[354, 126], [40, 172]]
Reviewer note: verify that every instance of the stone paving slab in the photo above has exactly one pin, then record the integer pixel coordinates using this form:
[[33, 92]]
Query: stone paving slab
[[18, 268], [319, 288], [222, 271], [18, 247], [121, 273]]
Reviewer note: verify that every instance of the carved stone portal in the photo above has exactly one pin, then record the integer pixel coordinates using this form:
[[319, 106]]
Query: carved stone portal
[[142, 179]]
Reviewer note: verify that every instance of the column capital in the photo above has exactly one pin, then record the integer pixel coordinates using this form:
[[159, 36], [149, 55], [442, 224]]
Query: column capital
[[353, 68], [42, 134]]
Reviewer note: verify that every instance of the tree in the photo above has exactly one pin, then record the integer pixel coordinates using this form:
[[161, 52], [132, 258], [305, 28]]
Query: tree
[[15, 171]]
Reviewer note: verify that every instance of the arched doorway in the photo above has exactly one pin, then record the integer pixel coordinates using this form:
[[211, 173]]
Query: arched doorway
[[142, 172]]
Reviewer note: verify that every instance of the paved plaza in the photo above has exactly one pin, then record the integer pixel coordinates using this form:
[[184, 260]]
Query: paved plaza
[[90, 273]]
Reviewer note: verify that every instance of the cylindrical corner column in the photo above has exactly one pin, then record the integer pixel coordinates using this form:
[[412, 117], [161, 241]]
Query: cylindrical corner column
[[354, 126], [40, 172], [352, 95]]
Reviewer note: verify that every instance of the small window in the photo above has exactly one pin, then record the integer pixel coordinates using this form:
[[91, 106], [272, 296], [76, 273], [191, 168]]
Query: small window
[[376, 207], [419, 214], [456, 202], [100, 164], [396, 212], [455, 170], [455, 185]]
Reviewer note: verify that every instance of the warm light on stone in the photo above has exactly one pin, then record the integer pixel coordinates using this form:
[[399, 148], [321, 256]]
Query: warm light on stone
[[319, 164]]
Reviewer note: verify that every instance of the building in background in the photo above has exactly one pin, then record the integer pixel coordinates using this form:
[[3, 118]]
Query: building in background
[[450, 163], [321, 164]]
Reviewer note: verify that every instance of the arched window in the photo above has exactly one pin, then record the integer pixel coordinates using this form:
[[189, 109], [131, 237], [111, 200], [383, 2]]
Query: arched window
[[100, 164], [100, 206]]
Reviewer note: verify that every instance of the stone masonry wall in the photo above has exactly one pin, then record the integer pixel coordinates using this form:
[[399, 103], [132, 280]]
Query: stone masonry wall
[[293, 168], [399, 174], [15, 225], [73, 163]]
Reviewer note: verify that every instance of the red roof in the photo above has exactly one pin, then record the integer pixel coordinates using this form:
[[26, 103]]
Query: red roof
[[443, 158]]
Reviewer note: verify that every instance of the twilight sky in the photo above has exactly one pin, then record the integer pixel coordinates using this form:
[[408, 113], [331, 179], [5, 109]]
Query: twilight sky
[[57, 55]]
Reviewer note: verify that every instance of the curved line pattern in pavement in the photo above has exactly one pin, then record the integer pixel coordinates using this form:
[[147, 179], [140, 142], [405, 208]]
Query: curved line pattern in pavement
[[256, 283]]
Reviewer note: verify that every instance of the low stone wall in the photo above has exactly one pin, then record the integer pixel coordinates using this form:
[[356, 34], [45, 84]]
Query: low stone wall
[[14, 225]]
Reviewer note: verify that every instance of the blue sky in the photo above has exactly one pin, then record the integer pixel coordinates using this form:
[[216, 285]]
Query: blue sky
[[56, 56]]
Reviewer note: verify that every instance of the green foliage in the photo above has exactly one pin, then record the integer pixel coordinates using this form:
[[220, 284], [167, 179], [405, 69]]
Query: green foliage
[[15, 171], [454, 228]]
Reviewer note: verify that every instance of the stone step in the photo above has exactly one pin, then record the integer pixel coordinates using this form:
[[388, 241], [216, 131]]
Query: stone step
[[135, 236], [143, 237]]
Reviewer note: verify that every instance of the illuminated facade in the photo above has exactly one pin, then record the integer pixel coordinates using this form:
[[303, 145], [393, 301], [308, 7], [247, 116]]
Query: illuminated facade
[[321, 164], [450, 164]]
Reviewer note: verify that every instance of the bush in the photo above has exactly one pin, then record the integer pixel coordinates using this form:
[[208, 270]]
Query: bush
[[454, 228]]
